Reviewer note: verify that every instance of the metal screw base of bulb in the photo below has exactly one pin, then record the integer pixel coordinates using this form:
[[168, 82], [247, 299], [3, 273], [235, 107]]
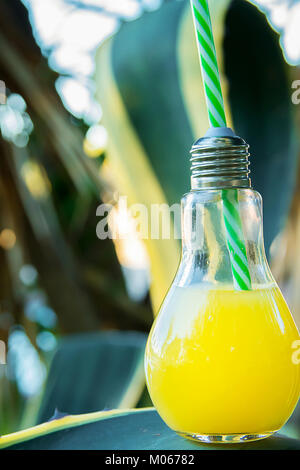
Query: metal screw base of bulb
[[220, 162], [225, 438]]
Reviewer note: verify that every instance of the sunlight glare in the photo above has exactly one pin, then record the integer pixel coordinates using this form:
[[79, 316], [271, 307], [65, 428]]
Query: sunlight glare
[[291, 39], [86, 29]]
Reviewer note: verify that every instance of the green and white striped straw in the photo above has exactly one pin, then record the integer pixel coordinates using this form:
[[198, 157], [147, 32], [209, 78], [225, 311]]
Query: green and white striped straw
[[235, 240], [209, 64], [216, 116]]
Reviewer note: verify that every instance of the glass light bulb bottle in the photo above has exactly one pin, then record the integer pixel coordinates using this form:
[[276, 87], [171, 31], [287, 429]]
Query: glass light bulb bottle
[[220, 362]]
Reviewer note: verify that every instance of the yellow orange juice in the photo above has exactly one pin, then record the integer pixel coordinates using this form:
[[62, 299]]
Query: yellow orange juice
[[220, 361]]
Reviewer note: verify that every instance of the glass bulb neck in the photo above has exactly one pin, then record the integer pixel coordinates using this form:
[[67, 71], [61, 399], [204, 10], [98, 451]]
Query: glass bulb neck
[[206, 236], [219, 162]]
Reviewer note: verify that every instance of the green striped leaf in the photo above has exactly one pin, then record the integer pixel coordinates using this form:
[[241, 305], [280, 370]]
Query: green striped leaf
[[95, 371], [128, 430]]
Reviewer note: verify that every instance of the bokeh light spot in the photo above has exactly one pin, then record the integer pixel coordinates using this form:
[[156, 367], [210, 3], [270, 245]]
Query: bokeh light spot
[[7, 239]]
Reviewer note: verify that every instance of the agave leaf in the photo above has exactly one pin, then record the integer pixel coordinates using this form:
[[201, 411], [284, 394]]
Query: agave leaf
[[127, 430], [139, 89], [95, 371], [149, 85]]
